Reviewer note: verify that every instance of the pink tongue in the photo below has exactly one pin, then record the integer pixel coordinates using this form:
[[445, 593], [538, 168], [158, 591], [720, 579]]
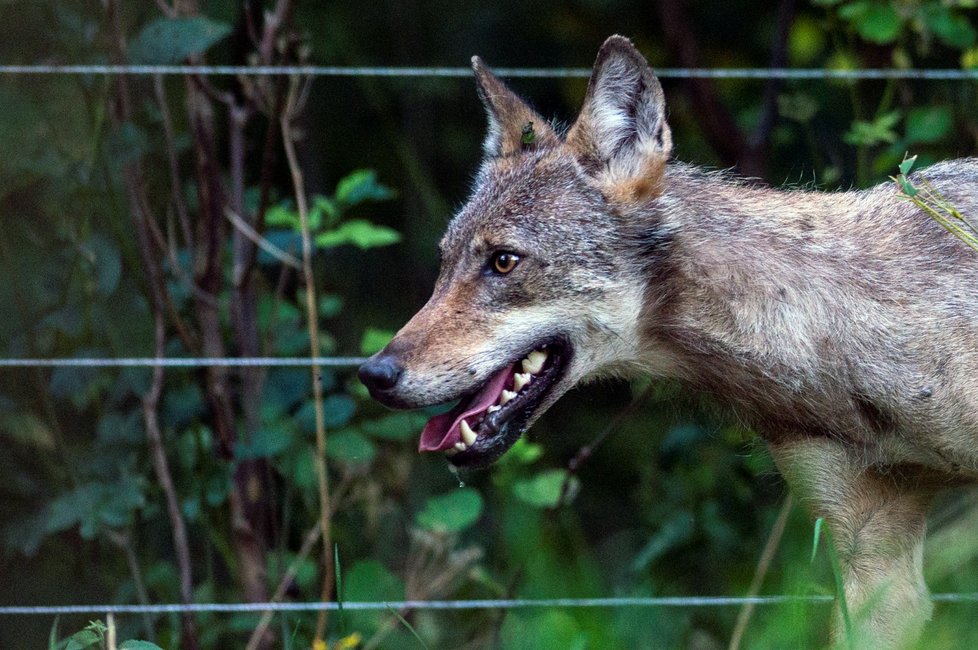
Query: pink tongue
[[442, 431]]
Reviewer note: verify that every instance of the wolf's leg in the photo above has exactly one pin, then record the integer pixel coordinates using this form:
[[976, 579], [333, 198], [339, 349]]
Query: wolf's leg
[[877, 520]]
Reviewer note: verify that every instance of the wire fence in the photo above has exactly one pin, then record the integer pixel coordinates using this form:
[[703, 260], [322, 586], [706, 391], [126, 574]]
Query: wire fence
[[931, 74], [184, 362], [474, 604], [351, 361]]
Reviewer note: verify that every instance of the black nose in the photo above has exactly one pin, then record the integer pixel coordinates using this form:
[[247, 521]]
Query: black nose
[[380, 374]]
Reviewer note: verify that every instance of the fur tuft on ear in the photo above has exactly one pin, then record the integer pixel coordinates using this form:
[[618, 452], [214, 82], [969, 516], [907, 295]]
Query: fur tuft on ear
[[621, 136], [514, 127]]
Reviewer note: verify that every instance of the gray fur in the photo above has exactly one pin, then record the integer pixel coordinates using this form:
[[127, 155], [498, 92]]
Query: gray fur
[[841, 326]]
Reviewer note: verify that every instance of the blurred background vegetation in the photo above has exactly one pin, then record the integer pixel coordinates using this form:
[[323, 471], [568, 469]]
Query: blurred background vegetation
[[127, 206]]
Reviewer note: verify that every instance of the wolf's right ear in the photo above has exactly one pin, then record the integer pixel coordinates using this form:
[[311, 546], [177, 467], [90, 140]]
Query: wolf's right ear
[[621, 135], [513, 125]]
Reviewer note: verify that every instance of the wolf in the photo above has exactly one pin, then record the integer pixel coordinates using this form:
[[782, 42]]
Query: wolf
[[841, 326]]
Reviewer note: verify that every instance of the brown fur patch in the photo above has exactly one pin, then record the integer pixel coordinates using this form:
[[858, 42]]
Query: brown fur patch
[[643, 186]]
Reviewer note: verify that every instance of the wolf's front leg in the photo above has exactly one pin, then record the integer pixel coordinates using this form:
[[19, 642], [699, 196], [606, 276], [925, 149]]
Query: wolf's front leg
[[877, 520]]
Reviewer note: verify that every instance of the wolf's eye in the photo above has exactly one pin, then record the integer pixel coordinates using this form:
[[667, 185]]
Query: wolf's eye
[[503, 262]]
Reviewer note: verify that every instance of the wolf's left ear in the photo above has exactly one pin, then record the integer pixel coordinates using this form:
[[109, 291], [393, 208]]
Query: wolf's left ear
[[621, 136], [513, 125]]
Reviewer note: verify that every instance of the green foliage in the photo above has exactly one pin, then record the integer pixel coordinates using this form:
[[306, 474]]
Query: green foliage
[[171, 40], [676, 503], [545, 489], [452, 512]]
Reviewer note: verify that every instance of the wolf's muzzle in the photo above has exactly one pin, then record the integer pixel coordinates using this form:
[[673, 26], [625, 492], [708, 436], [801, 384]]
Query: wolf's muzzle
[[380, 374]]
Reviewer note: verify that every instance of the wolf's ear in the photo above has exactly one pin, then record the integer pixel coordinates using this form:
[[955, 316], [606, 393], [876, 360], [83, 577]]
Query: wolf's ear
[[513, 125], [621, 136]]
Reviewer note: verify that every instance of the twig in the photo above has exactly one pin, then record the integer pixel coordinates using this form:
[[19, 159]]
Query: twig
[[124, 542], [179, 203], [141, 215], [585, 452], [298, 183], [307, 543], [260, 241], [763, 564]]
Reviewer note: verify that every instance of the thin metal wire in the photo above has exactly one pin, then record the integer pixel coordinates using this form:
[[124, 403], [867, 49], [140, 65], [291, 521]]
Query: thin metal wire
[[184, 362], [513, 603], [548, 73]]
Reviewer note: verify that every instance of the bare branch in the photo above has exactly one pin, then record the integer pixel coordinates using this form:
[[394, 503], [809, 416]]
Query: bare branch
[[763, 564], [167, 10], [142, 217], [260, 241], [312, 317]]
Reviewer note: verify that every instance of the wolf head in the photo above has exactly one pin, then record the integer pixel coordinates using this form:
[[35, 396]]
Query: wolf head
[[544, 270]]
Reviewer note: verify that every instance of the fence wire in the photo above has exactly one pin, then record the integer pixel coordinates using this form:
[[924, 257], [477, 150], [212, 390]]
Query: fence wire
[[933, 74], [193, 362], [475, 604], [184, 362]]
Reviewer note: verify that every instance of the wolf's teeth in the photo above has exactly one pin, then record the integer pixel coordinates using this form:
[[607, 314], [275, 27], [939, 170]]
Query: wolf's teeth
[[533, 363], [460, 446], [505, 396], [468, 435], [493, 408], [520, 380]]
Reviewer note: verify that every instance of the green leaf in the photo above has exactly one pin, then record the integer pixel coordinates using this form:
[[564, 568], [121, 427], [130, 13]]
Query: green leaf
[[907, 165], [338, 409], [875, 132], [952, 30], [350, 448], [27, 429], [817, 536], [929, 124], [396, 426], [360, 186], [268, 441], [374, 340], [452, 512], [326, 207], [544, 489], [330, 305], [360, 233], [133, 644], [171, 40], [799, 107], [105, 262], [83, 640], [283, 214], [369, 580], [874, 21]]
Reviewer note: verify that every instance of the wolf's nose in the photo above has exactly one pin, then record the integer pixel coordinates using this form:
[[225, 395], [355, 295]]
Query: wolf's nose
[[380, 374]]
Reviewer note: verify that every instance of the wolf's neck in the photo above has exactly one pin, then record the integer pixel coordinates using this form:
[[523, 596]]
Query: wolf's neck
[[743, 285]]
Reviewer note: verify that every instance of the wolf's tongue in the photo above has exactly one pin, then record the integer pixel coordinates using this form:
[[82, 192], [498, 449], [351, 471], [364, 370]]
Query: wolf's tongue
[[442, 431]]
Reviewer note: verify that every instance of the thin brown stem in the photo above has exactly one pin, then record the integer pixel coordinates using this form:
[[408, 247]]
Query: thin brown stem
[[763, 564], [124, 541], [308, 542], [298, 182], [142, 217], [585, 452]]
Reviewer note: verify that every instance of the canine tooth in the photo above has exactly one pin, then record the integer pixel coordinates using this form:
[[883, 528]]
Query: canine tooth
[[468, 435], [533, 363], [493, 408], [460, 446], [451, 452], [505, 396], [520, 380]]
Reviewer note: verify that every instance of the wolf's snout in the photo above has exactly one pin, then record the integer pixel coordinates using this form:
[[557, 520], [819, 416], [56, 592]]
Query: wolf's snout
[[380, 374]]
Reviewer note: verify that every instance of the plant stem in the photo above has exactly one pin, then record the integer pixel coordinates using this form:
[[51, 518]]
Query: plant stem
[[298, 182]]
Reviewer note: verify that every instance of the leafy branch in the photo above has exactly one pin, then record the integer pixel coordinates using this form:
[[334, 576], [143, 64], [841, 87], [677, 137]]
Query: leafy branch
[[926, 197]]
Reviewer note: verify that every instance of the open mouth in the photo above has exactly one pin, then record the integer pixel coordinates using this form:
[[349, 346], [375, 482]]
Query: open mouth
[[491, 419]]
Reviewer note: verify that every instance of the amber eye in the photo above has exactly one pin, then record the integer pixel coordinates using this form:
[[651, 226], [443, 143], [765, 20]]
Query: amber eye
[[503, 262]]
